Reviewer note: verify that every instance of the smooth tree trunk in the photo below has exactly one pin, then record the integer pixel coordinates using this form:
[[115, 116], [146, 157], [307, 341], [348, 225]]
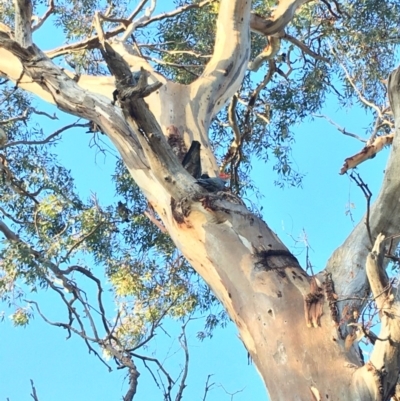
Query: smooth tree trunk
[[293, 328]]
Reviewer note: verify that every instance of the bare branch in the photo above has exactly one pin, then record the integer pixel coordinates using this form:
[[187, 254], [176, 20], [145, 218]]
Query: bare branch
[[8, 233], [304, 48], [34, 394], [42, 20], [368, 194], [183, 341], [49, 138], [282, 15], [160, 366], [341, 129], [207, 387], [376, 273], [368, 152], [139, 22]]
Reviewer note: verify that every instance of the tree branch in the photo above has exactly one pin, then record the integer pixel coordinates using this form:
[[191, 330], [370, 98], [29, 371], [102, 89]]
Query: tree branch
[[282, 15], [340, 129], [304, 48], [225, 71], [23, 17], [42, 20], [380, 374], [48, 138], [93, 41], [368, 152], [348, 261]]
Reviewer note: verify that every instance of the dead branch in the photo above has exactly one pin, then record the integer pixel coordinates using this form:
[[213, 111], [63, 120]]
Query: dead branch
[[234, 154], [368, 152]]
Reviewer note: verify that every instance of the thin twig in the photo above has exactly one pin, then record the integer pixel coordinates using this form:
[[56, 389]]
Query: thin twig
[[49, 138], [34, 394], [207, 387], [183, 341], [340, 129], [360, 95], [368, 194], [304, 48]]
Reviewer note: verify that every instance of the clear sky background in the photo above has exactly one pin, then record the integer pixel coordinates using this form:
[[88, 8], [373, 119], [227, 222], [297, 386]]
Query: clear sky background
[[63, 370]]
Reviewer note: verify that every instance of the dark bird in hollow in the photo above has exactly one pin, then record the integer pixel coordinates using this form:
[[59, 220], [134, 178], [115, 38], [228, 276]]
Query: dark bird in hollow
[[191, 162]]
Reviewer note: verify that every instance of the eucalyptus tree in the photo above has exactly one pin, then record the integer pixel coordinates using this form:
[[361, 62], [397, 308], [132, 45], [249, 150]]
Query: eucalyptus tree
[[154, 92]]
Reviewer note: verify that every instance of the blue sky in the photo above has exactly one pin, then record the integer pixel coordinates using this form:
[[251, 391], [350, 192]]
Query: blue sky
[[63, 370]]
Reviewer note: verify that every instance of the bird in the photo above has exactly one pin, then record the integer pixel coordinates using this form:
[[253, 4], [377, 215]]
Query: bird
[[123, 211], [191, 161], [213, 184]]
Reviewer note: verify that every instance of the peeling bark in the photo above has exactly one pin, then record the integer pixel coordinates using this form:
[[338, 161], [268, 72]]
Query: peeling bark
[[368, 152]]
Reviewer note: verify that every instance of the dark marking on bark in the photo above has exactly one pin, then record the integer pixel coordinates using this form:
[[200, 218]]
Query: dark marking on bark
[[379, 375], [228, 69], [176, 214], [332, 297], [313, 303], [281, 273], [229, 295], [279, 294], [274, 259], [208, 202], [238, 68], [175, 140]]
